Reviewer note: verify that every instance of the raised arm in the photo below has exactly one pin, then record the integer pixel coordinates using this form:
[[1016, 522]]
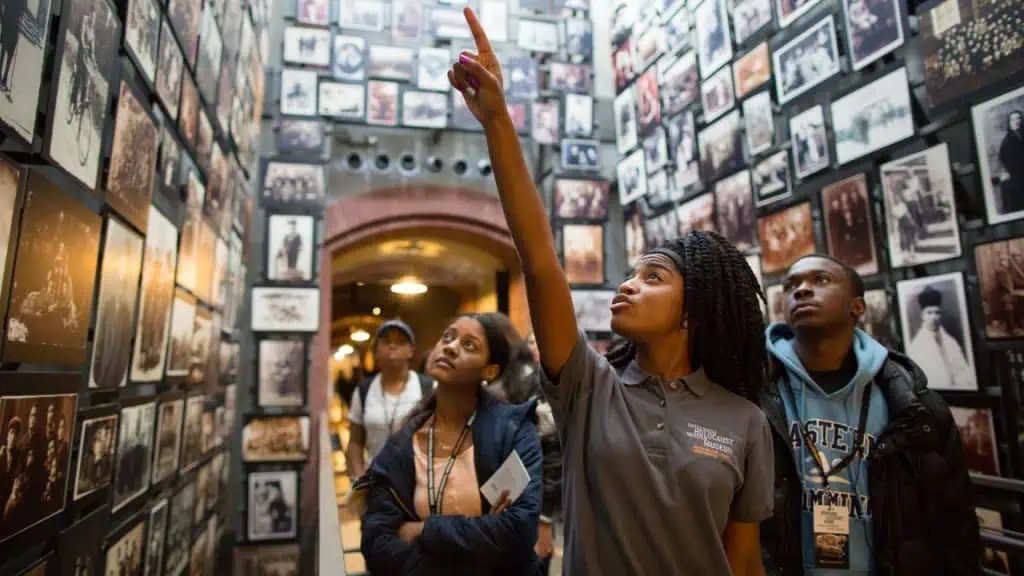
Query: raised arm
[[478, 78]]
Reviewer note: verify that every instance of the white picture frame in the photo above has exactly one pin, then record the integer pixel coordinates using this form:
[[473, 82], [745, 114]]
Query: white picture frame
[[285, 309], [855, 117], [802, 53]]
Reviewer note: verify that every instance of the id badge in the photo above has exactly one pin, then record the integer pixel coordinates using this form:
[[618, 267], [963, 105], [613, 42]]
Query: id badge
[[831, 536]]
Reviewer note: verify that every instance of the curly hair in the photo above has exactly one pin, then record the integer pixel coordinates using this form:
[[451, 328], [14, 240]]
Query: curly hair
[[723, 312]]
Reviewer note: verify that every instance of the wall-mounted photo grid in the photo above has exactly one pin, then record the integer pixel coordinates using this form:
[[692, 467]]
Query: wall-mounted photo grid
[[797, 127], [131, 148]]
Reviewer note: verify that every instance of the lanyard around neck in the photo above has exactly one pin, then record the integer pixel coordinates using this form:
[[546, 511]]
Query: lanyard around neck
[[435, 498], [859, 436]]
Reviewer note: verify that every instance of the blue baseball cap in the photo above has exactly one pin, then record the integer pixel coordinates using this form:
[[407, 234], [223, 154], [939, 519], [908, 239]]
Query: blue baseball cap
[[396, 325]]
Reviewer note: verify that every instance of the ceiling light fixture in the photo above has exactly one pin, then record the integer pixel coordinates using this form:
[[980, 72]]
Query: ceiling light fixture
[[376, 310], [342, 351], [408, 286], [360, 336]]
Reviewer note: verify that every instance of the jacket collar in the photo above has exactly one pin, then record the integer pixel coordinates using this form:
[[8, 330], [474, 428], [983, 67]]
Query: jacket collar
[[697, 382]]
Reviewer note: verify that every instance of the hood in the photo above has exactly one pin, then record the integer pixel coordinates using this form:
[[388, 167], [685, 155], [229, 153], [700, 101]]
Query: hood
[[869, 353]]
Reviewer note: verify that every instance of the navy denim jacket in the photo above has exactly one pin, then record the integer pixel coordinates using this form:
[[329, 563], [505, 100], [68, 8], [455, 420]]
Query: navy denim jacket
[[492, 544]]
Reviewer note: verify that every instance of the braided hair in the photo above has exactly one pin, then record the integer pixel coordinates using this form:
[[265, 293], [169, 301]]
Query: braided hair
[[723, 315]]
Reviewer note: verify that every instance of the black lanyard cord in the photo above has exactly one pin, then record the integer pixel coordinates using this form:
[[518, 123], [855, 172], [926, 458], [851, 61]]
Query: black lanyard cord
[[859, 436], [435, 499]]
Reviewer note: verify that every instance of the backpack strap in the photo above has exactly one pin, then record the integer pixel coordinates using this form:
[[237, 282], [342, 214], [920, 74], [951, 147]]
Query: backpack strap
[[364, 391], [426, 385]]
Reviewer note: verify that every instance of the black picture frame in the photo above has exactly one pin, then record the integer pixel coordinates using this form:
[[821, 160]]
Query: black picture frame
[[7, 126], [95, 414], [261, 400], [566, 264], [158, 483], [307, 200], [137, 521], [83, 538], [249, 512], [313, 247], [132, 501]]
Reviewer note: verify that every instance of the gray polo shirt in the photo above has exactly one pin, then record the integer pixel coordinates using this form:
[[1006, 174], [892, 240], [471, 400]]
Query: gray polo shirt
[[653, 470]]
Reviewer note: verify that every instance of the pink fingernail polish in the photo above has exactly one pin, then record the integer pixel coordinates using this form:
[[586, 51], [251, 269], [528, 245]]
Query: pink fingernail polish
[[463, 59]]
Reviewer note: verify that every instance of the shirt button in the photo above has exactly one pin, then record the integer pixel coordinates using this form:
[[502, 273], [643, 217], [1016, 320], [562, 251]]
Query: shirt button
[[661, 425]]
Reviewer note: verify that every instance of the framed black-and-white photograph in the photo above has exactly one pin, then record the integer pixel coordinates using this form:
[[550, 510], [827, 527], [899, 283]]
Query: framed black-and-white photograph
[[682, 147], [313, 12], [134, 453], [936, 330], [714, 44], [593, 309], [132, 169], [179, 530], [660, 229], [363, 15], [184, 16], [536, 35], [624, 109], [96, 444], [772, 181], [275, 559], [760, 122], [874, 28], [78, 547], [285, 309], [677, 30], [656, 151], [521, 77], [157, 535], [382, 105], [566, 77], [432, 69], [872, 117], [579, 37], [999, 140], [632, 177], [721, 147], [406, 21], [978, 435], [142, 34], [167, 450], [275, 439], [920, 208], [291, 239], [625, 68], [785, 236], [734, 204], [749, 16], [877, 318], [52, 286], [659, 190], [208, 63], [849, 234], [307, 46], [298, 92], [583, 253], [581, 199], [788, 11], [300, 136], [809, 139], [636, 244], [998, 265], [22, 66], [579, 116], [125, 548], [716, 94], [183, 319], [546, 122], [752, 70], [156, 296], [582, 155], [192, 434], [342, 100], [648, 46], [680, 85], [199, 347], [169, 70], [188, 113], [282, 378], [272, 505], [806, 61], [648, 102], [293, 183], [449, 24], [424, 109], [118, 289], [85, 71], [349, 58], [392, 63]]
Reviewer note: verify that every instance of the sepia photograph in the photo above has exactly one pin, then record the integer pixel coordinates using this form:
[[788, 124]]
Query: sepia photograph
[[806, 61], [873, 117], [52, 288], [682, 146], [936, 330], [809, 136], [341, 100], [656, 150], [874, 28], [272, 505], [521, 77], [192, 434], [583, 155], [313, 12], [626, 136], [546, 122], [267, 560], [78, 547], [184, 16], [349, 58], [35, 458], [535, 35], [999, 138], [660, 229], [789, 10], [275, 439], [999, 267], [392, 63], [179, 530], [424, 109], [383, 103], [281, 376], [749, 16], [132, 171], [978, 435], [115, 309], [776, 303], [632, 177], [285, 309], [721, 147], [85, 72], [141, 34], [583, 253], [362, 15], [211, 51], [771, 179], [291, 240], [407, 21], [849, 234], [299, 136], [168, 439], [593, 309], [680, 85], [156, 538], [785, 236], [134, 453], [714, 44], [95, 455], [169, 71], [10, 184], [636, 244], [921, 216], [24, 28], [581, 199], [293, 183], [648, 103], [648, 46], [199, 347], [567, 77], [124, 557], [298, 92], [734, 204], [624, 66], [716, 94], [760, 122], [307, 46], [752, 70], [579, 116], [695, 214], [156, 296], [432, 69], [188, 113], [877, 318]]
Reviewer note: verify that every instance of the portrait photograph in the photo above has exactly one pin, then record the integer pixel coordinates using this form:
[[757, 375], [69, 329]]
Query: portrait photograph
[[682, 149], [760, 122], [95, 465], [920, 208], [170, 416], [809, 137], [721, 150], [695, 214], [307, 46], [579, 116], [34, 459], [623, 65], [659, 190], [999, 139], [581, 199], [677, 29], [872, 117], [179, 530], [141, 34], [680, 85], [300, 136], [648, 46], [546, 123], [199, 347], [341, 100], [115, 309], [134, 453], [785, 236], [714, 44], [279, 560], [999, 269], [291, 240], [184, 16], [626, 136], [211, 50], [432, 69], [313, 12], [535, 35], [392, 63], [10, 183], [749, 16], [632, 177], [84, 74], [183, 318], [132, 171], [188, 113], [298, 92], [806, 61], [716, 94], [521, 77], [568, 77], [275, 439], [660, 229], [285, 309], [449, 24], [752, 70], [636, 244], [272, 505], [349, 58], [282, 379], [648, 103], [776, 303], [407, 20], [734, 204], [877, 318], [155, 539], [21, 67], [978, 434], [593, 309], [789, 10], [583, 253], [79, 546], [124, 556], [156, 296], [936, 330], [772, 180], [362, 15], [52, 288], [424, 109], [293, 183], [656, 150], [579, 37], [874, 28], [192, 434], [849, 234], [581, 155]]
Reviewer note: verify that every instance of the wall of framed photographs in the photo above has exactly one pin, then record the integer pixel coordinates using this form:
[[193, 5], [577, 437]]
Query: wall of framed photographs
[[883, 133], [128, 141]]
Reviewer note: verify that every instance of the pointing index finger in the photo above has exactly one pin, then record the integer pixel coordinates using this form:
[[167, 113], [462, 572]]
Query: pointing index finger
[[479, 36]]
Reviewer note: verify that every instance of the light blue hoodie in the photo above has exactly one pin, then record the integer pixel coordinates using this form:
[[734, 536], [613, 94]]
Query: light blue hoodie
[[831, 420]]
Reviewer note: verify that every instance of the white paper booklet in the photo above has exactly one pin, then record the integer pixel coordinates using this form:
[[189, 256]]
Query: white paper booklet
[[511, 476]]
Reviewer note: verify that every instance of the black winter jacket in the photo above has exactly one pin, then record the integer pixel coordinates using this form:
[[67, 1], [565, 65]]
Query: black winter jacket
[[922, 502]]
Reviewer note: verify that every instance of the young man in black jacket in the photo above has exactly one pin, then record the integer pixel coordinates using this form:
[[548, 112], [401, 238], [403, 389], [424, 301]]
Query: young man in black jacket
[[869, 475]]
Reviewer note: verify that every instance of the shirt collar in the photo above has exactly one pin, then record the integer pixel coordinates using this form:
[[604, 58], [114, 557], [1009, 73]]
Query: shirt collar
[[697, 382]]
